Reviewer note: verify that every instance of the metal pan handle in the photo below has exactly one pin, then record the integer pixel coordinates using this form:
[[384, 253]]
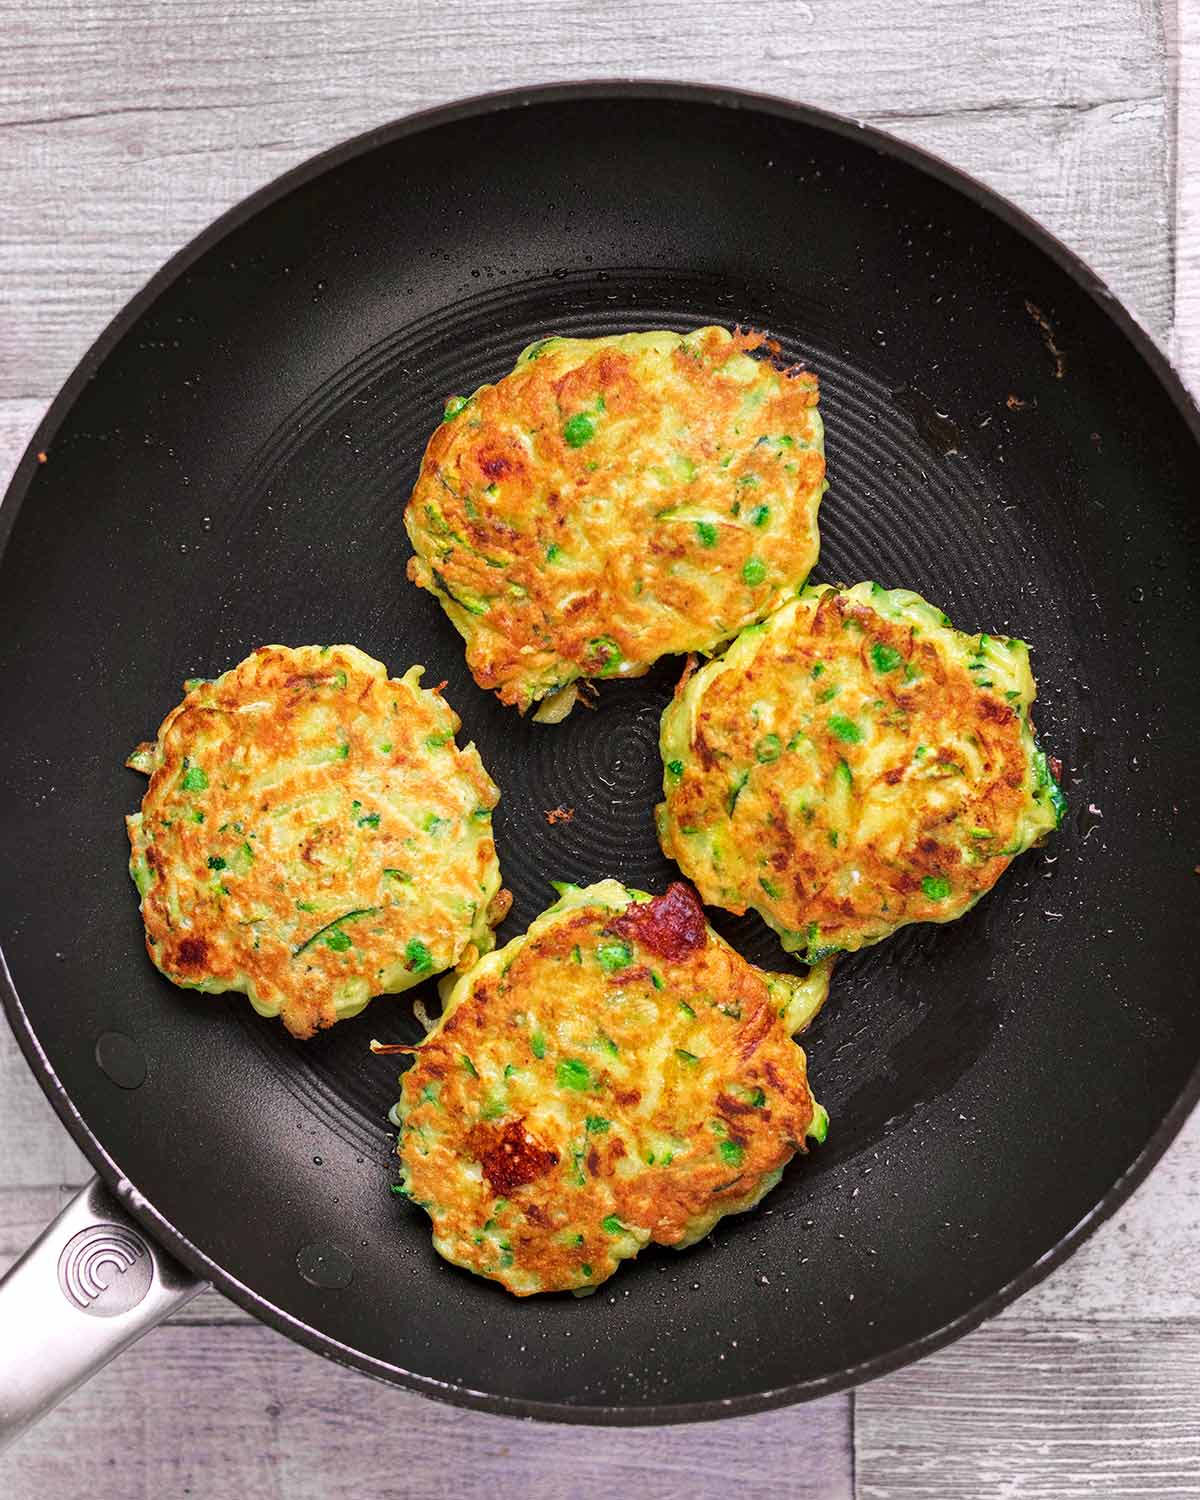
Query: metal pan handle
[[89, 1286]]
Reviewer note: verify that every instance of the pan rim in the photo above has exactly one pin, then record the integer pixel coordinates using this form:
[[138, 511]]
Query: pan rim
[[477, 107]]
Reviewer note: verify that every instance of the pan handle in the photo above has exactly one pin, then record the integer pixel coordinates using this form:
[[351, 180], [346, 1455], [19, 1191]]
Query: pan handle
[[87, 1287]]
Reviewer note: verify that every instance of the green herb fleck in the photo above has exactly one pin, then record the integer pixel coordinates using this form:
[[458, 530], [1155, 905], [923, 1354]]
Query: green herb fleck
[[707, 533], [675, 768], [468, 1065], [845, 729], [606, 653], [333, 930], [689, 1059], [612, 1225], [754, 570], [417, 957], [936, 887], [573, 1074], [760, 515], [768, 748], [194, 780], [454, 406], [537, 1044], [215, 862], [597, 1124]]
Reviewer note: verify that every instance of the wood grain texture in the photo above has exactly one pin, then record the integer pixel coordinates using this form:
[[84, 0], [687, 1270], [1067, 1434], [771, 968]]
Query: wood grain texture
[[241, 1412], [129, 128], [125, 128], [35, 1150], [1078, 1409], [18, 422], [1185, 343]]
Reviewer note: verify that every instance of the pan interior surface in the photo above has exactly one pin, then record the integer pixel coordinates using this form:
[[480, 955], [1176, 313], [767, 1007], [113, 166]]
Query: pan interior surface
[[233, 470]]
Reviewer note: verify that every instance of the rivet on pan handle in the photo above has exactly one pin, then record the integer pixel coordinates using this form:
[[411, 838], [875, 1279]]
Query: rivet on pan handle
[[89, 1286]]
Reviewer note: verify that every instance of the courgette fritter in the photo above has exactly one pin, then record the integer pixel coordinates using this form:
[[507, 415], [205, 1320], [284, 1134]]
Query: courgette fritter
[[312, 836], [615, 1076], [853, 764], [616, 499]]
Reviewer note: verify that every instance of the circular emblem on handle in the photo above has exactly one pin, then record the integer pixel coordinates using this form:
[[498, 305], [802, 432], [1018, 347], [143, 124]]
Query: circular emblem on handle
[[105, 1270]]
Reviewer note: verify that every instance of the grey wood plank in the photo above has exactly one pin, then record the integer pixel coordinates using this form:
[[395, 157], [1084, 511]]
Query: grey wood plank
[[127, 130], [18, 422], [87, 56], [241, 1414], [1076, 1409], [35, 1149], [1185, 346]]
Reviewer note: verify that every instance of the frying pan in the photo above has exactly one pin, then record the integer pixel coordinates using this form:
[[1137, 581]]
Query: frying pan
[[227, 467]]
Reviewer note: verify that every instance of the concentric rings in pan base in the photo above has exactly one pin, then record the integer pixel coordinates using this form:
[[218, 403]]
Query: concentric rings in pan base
[[230, 468], [360, 441]]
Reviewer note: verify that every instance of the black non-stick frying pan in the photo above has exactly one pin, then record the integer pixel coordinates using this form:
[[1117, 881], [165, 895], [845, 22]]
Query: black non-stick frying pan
[[228, 467]]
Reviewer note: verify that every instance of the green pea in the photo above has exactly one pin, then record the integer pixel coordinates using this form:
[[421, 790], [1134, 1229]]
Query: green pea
[[579, 430], [614, 955]]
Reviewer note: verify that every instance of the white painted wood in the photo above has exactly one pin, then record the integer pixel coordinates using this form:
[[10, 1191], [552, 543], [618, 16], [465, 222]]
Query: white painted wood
[[1185, 346], [34, 1148], [124, 132], [18, 422], [124, 129], [244, 1414], [1076, 1409]]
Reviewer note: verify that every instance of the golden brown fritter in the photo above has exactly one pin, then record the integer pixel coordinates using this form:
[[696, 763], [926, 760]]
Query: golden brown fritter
[[311, 836], [851, 765], [617, 1075], [616, 499]]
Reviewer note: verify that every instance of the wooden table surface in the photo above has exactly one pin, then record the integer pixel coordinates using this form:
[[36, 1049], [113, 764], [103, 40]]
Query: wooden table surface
[[125, 127]]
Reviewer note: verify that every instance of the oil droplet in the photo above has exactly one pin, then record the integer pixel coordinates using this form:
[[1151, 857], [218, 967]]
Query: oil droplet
[[1137, 593], [934, 427], [318, 1161], [325, 1266]]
